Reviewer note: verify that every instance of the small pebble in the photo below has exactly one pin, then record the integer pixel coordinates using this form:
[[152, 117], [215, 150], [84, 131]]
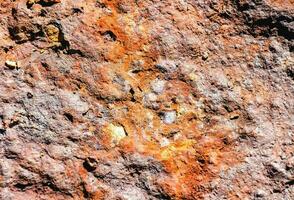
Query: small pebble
[[11, 64], [260, 193], [205, 56]]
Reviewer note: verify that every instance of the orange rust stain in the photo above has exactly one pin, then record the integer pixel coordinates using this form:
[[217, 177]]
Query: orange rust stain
[[128, 42], [193, 160]]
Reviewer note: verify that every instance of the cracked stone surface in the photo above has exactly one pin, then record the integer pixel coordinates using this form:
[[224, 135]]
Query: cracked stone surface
[[146, 99]]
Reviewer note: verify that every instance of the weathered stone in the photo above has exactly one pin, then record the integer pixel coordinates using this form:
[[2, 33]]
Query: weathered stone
[[121, 99], [11, 64]]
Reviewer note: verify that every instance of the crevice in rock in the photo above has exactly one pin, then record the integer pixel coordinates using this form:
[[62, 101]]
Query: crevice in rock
[[77, 10], [14, 123], [44, 3], [23, 186], [75, 51], [132, 95], [2, 131], [290, 182], [109, 35], [90, 164], [290, 72], [69, 117]]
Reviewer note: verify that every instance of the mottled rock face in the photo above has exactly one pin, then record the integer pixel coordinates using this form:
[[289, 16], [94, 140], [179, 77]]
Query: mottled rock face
[[175, 99]]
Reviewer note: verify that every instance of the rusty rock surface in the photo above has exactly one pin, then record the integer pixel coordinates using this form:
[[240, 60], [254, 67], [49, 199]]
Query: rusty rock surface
[[146, 99]]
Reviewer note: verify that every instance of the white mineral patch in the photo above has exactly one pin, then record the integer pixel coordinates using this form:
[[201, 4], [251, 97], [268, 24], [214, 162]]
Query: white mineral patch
[[164, 142], [74, 101], [169, 117], [158, 86]]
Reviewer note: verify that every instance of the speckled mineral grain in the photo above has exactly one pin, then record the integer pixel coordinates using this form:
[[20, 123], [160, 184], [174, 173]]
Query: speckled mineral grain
[[146, 99]]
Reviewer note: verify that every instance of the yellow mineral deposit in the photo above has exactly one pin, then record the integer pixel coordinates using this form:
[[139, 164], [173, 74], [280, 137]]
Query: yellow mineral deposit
[[53, 35], [117, 133]]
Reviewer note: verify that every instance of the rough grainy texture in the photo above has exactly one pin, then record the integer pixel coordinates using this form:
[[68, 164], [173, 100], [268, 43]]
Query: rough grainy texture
[[146, 99]]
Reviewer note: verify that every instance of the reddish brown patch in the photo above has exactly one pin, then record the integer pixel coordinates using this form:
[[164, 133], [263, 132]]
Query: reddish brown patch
[[282, 4]]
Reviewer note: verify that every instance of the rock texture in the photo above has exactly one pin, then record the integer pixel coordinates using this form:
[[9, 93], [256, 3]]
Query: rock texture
[[146, 99]]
